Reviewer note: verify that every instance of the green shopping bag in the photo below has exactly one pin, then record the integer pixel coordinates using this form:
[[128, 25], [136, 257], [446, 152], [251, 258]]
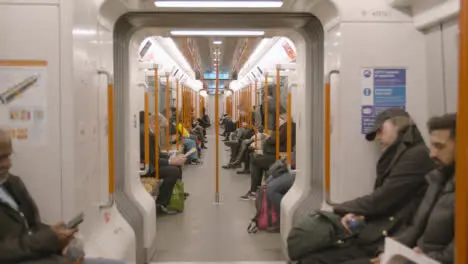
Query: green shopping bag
[[177, 198]]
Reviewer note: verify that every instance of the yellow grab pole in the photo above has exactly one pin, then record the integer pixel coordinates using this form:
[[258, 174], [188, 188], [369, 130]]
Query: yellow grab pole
[[265, 104], [250, 106], [278, 90], [256, 106], [168, 90], [217, 131], [110, 138], [177, 113], [289, 134], [147, 130], [327, 132], [156, 123], [461, 198]]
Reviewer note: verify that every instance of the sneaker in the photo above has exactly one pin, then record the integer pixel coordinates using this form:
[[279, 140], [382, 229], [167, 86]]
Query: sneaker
[[273, 229], [164, 210], [248, 196]]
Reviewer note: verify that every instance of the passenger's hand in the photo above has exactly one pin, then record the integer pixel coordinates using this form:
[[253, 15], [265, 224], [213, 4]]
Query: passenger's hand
[[63, 234], [178, 161], [418, 250], [345, 220], [375, 260]]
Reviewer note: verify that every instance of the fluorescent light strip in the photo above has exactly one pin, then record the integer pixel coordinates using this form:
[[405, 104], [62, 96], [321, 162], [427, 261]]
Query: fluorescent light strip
[[216, 33], [217, 42], [220, 4]]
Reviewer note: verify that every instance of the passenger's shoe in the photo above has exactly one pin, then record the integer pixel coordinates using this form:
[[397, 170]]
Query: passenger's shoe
[[231, 166], [248, 196], [164, 210], [273, 229], [243, 172]]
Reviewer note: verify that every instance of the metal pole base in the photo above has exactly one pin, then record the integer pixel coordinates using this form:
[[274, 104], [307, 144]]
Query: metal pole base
[[217, 199]]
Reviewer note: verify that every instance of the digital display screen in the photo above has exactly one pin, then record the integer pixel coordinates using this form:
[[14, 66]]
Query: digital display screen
[[212, 76]]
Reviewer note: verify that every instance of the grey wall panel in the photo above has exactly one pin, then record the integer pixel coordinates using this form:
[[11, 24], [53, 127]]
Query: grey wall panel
[[450, 61], [435, 71]]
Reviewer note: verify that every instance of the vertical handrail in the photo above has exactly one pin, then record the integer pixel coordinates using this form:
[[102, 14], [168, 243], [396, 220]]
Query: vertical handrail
[[278, 105], [217, 131], [110, 137], [156, 123], [461, 198], [328, 137], [289, 129], [256, 106], [177, 113], [265, 104], [237, 109], [250, 106], [168, 90], [146, 131]]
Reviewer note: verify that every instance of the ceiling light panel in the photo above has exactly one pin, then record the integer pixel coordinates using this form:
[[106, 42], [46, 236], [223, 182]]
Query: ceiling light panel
[[220, 4], [217, 33]]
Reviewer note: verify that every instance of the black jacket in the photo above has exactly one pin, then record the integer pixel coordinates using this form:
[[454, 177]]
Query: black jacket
[[23, 237], [398, 190], [163, 157], [433, 228], [269, 147]]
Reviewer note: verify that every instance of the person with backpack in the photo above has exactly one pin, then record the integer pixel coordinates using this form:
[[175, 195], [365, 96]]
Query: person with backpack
[[388, 210]]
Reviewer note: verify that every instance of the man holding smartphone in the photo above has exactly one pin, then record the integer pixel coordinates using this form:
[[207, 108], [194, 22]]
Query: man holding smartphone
[[23, 237]]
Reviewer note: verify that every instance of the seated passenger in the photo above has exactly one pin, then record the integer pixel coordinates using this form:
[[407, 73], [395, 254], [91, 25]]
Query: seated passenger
[[23, 237], [247, 147], [169, 168], [241, 134], [189, 144], [260, 162], [277, 189], [432, 231], [398, 190]]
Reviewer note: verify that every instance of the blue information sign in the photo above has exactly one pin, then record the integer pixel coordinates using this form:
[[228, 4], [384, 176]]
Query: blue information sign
[[382, 88]]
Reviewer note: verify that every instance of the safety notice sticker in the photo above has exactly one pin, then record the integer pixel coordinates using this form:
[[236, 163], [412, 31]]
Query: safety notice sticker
[[382, 88]]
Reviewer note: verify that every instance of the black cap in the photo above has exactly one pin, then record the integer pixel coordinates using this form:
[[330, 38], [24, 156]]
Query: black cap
[[381, 118]]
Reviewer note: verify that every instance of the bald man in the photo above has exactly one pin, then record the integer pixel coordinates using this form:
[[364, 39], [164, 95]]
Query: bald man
[[23, 237]]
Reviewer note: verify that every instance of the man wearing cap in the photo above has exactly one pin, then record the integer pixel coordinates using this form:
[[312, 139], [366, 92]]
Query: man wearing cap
[[398, 190]]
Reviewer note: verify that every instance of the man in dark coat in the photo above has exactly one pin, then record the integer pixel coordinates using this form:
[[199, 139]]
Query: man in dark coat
[[24, 238], [432, 231], [398, 190]]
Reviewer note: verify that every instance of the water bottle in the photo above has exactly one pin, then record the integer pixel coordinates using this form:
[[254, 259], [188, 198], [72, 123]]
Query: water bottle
[[356, 225]]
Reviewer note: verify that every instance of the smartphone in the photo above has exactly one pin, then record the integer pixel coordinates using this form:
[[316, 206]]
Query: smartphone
[[75, 222]]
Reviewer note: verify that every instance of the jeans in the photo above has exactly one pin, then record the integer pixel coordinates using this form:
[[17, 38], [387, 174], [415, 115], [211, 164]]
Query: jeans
[[188, 145], [102, 261], [277, 188]]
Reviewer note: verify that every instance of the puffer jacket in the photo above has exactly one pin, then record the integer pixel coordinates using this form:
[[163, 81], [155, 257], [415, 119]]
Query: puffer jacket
[[433, 228]]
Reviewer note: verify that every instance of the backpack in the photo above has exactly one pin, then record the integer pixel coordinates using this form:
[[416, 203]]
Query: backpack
[[266, 215], [178, 198], [315, 232]]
